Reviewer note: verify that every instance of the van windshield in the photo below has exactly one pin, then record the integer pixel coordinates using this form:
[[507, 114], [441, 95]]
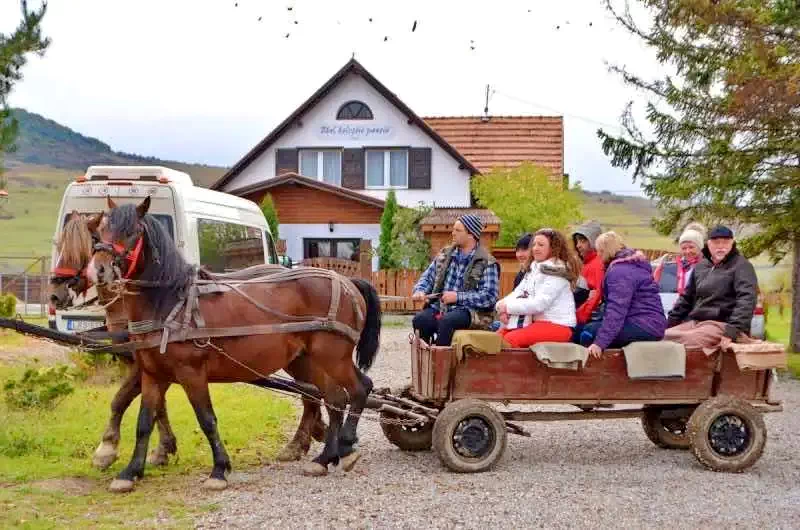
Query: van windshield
[[165, 220]]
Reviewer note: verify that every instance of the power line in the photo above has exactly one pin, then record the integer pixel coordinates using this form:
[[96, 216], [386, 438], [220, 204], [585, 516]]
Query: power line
[[553, 109]]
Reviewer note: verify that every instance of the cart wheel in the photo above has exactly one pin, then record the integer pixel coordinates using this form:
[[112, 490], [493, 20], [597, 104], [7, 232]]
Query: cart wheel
[[408, 437], [469, 436], [666, 432], [727, 434]]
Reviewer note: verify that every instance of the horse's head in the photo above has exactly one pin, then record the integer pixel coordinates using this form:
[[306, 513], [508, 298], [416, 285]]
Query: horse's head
[[119, 252], [68, 278]]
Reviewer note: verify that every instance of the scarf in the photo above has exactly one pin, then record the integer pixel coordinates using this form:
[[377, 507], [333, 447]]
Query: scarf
[[685, 267]]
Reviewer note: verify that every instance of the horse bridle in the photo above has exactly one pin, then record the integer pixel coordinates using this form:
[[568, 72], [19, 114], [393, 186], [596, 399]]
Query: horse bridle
[[71, 276], [125, 257]]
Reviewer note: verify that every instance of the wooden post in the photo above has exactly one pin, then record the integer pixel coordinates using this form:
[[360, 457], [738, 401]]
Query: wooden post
[[42, 290], [365, 259]]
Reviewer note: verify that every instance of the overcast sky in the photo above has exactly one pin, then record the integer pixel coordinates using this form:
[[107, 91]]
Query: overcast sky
[[204, 80]]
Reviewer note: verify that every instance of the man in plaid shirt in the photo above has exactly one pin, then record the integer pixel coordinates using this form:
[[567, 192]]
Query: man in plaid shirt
[[464, 280]]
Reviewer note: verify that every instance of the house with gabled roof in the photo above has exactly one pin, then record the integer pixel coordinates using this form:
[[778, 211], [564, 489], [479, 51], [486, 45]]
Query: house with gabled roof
[[331, 163]]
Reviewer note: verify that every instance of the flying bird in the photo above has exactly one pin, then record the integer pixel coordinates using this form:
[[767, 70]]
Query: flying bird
[[296, 22], [370, 19], [287, 35], [289, 8], [414, 27], [259, 19], [385, 39]]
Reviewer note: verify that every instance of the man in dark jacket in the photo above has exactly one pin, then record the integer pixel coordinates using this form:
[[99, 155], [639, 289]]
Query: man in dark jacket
[[717, 306], [464, 278]]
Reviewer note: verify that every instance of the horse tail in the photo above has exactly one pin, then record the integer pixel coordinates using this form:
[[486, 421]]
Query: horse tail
[[367, 347]]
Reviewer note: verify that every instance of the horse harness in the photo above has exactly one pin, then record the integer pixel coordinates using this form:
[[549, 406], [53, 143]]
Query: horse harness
[[185, 321]]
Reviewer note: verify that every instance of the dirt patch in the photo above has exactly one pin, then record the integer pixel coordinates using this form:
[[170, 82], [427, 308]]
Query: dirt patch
[[70, 486], [29, 349]]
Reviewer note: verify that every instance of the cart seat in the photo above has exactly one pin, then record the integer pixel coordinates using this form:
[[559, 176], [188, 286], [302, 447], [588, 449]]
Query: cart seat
[[477, 342], [562, 355], [655, 360]]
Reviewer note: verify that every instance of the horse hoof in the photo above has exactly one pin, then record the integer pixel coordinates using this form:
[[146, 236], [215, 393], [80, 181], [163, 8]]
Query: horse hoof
[[158, 458], [313, 469], [119, 485], [215, 484], [348, 462], [104, 456], [290, 453]]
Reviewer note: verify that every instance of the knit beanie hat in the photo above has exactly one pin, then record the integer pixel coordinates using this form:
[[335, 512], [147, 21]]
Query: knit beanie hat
[[693, 236], [473, 225]]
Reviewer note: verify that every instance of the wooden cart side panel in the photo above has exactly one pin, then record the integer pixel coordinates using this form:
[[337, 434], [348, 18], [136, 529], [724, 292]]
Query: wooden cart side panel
[[746, 385], [517, 374]]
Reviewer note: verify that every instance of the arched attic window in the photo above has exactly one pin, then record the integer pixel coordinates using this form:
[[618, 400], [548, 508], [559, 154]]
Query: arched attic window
[[354, 110]]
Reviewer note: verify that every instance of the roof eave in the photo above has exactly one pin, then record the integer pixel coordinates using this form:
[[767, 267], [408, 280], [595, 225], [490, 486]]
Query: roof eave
[[355, 67]]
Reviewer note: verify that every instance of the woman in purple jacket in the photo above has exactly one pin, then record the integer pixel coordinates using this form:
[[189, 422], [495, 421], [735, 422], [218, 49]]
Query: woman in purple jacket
[[633, 310]]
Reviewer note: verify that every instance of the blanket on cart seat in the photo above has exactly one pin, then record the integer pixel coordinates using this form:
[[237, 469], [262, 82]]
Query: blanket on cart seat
[[477, 342], [561, 355], [655, 360], [760, 355]]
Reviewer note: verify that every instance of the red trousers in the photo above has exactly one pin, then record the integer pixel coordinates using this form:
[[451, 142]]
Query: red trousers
[[538, 331]]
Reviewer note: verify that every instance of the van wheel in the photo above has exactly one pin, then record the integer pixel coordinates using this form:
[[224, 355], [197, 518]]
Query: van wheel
[[727, 434], [666, 428]]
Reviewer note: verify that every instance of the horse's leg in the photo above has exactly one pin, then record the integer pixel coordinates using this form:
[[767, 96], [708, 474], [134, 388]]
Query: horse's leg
[[359, 387], [152, 398], [195, 383], [311, 424], [335, 402], [168, 444], [106, 452]]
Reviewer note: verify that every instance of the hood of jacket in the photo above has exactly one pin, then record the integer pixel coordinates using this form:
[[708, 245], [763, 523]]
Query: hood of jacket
[[590, 230], [632, 257]]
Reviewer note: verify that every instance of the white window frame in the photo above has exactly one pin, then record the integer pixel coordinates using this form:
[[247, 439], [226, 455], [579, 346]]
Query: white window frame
[[320, 165], [387, 168]]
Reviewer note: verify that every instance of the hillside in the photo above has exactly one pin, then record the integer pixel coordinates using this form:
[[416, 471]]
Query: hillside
[[45, 143]]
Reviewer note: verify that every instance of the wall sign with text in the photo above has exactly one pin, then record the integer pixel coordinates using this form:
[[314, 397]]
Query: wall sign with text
[[356, 132]]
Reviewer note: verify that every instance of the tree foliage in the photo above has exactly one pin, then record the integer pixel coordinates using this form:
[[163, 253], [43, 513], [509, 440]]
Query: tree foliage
[[723, 138], [14, 50], [385, 260], [526, 199], [271, 214], [409, 248]]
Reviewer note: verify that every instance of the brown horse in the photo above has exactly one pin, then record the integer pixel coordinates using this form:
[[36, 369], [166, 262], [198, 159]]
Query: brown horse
[[68, 280], [142, 261]]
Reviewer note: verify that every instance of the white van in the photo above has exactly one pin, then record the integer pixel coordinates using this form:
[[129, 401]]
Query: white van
[[218, 231]]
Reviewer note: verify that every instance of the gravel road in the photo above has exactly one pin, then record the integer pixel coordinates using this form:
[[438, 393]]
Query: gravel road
[[569, 474]]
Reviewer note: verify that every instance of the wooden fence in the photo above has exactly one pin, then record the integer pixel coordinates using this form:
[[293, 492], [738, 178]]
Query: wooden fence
[[398, 282]]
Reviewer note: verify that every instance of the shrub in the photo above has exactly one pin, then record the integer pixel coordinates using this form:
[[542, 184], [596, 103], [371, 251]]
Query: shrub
[[41, 388], [8, 305], [271, 214], [385, 258]]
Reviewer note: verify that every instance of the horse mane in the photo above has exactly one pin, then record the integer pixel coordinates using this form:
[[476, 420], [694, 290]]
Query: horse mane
[[74, 244], [169, 273]]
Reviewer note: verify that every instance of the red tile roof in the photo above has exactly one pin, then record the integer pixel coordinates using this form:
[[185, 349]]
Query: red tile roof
[[505, 141]]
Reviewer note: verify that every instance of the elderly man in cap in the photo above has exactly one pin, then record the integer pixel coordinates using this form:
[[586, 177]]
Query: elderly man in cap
[[717, 305], [461, 285]]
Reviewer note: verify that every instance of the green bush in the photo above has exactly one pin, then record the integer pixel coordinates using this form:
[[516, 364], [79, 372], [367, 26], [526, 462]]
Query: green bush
[[8, 305], [385, 259], [41, 388], [271, 215]]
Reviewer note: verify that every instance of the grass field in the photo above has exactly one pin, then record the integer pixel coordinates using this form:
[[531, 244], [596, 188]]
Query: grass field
[[46, 480]]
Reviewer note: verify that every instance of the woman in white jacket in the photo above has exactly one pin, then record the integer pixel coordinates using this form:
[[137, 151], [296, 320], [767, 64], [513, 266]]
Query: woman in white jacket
[[542, 307]]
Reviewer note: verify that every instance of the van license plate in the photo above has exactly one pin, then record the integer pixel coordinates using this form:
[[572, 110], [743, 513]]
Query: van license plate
[[82, 325]]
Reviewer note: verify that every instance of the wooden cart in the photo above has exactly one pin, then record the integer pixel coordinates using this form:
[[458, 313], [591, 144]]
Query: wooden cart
[[715, 410]]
